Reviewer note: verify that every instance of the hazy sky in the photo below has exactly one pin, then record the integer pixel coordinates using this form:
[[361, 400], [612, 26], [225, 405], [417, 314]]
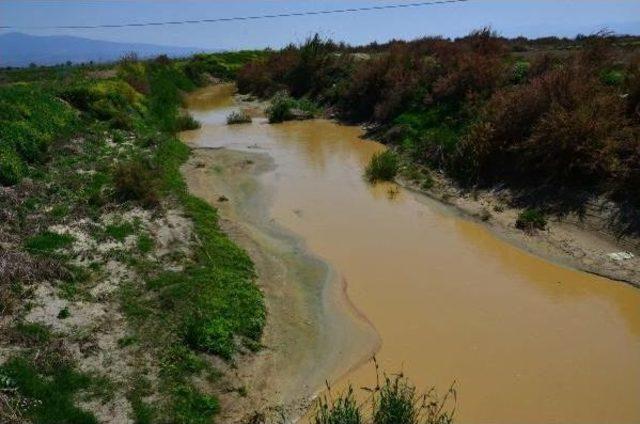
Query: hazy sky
[[509, 17]]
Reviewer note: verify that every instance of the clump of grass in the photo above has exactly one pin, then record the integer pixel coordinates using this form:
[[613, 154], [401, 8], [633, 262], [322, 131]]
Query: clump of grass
[[530, 220], [383, 166], [394, 400], [29, 334], [119, 231], [187, 122], [238, 117], [134, 180], [11, 167], [145, 243], [342, 410], [47, 242], [64, 313]]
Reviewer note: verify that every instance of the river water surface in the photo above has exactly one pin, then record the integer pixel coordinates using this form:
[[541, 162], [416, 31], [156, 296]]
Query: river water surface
[[526, 340]]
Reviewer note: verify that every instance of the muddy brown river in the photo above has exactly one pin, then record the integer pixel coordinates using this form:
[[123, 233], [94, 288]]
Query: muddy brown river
[[427, 291]]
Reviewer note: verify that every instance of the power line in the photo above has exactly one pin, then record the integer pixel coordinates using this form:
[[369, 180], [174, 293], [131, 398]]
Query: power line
[[245, 18]]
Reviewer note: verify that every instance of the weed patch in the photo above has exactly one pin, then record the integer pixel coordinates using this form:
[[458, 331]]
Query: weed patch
[[531, 220], [238, 117], [383, 166]]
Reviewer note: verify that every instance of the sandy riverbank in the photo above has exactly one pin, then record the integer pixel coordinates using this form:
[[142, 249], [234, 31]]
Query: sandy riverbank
[[304, 302]]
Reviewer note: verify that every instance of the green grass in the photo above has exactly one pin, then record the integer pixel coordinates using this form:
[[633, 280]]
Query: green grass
[[145, 243], [394, 400], [120, 231], [383, 166], [47, 242], [50, 391], [342, 410], [31, 334]]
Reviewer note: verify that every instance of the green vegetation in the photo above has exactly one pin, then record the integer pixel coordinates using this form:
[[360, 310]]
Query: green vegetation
[[342, 410], [48, 389], [555, 120], [383, 166], [136, 181], [47, 242], [530, 220], [31, 119], [238, 117], [106, 147], [394, 400], [286, 108], [119, 231]]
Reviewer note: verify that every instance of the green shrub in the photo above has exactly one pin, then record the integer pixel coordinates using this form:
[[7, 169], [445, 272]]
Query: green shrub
[[530, 220], [280, 108], [64, 313], [11, 167], [238, 117], [520, 71], [383, 166]]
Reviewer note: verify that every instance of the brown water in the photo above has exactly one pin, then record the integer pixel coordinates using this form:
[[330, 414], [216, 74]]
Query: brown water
[[526, 340]]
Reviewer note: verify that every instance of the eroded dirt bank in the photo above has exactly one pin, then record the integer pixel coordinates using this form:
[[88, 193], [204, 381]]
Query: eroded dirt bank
[[527, 340]]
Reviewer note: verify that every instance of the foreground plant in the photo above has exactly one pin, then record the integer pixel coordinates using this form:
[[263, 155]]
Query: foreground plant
[[383, 166], [238, 117], [394, 400]]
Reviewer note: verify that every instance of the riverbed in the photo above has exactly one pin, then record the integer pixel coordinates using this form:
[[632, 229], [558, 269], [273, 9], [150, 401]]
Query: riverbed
[[351, 269]]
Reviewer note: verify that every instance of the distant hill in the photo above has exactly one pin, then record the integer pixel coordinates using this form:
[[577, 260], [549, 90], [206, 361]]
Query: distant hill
[[19, 49]]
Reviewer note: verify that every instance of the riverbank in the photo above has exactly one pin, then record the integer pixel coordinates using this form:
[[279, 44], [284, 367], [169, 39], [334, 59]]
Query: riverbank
[[119, 293], [419, 273], [312, 333], [585, 243]]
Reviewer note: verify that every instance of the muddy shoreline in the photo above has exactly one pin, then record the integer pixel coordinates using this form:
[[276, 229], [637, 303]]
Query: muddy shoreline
[[285, 375], [582, 244]]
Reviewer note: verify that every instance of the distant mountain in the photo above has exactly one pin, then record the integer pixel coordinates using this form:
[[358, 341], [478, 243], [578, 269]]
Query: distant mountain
[[17, 49]]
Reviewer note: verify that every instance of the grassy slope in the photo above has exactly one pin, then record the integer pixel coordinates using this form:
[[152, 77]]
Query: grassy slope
[[125, 141]]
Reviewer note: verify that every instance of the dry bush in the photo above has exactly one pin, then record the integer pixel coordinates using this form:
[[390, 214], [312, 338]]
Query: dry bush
[[134, 180], [20, 267]]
